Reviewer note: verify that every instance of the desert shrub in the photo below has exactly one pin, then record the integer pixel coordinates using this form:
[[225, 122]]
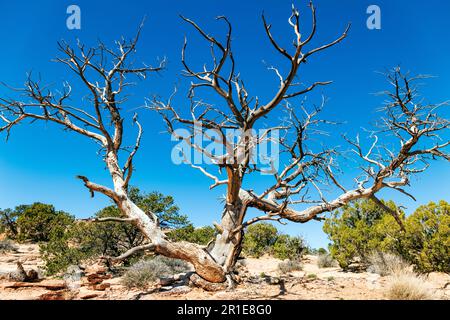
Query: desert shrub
[[202, 235], [32, 222], [259, 239], [162, 206], [142, 273], [326, 261], [289, 266], [427, 238], [408, 286], [360, 228], [384, 263], [288, 247], [7, 246], [264, 238], [8, 223], [311, 276]]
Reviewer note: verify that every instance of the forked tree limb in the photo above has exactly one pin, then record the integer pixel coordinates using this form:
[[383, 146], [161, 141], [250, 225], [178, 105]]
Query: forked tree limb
[[105, 124]]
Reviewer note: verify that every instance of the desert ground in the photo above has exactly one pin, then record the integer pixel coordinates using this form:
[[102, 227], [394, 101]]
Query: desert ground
[[261, 279]]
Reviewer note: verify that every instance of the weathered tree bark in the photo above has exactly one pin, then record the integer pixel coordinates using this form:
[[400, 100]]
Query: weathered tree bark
[[306, 168], [104, 74], [205, 265], [228, 244]]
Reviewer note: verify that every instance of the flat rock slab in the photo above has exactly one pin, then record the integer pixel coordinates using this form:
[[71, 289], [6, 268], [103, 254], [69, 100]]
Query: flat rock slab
[[88, 296], [49, 285]]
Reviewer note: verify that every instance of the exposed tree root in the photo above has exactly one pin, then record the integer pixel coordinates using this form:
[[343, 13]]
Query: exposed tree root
[[20, 275], [49, 286]]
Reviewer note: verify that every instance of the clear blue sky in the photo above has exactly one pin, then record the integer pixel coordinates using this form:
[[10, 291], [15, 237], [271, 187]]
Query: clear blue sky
[[40, 161]]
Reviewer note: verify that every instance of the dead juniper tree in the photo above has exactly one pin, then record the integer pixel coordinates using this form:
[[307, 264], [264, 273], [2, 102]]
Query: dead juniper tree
[[309, 169], [104, 73]]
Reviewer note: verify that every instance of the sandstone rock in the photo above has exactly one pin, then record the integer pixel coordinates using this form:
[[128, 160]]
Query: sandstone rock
[[53, 296], [166, 288], [97, 278], [20, 275], [95, 269]]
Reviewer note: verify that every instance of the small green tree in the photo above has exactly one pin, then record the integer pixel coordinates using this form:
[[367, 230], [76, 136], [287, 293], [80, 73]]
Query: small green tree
[[427, 239], [8, 223], [84, 240], [361, 228], [111, 238], [162, 206], [38, 221]]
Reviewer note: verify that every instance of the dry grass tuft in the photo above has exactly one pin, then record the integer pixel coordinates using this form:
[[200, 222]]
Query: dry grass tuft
[[326, 261], [289, 266], [7, 246], [386, 264]]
